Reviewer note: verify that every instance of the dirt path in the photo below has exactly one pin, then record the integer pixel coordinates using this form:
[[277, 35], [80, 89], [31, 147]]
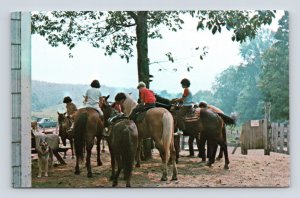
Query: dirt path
[[252, 170]]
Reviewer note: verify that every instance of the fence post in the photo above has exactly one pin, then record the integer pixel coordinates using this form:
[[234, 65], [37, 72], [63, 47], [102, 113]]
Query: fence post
[[281, 130]]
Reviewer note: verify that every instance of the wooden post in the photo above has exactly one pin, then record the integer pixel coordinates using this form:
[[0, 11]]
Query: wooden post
[[266, 131], [281, 130], [288, 139]]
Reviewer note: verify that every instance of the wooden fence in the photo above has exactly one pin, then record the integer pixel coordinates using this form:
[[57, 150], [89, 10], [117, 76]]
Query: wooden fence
[[260, 134], [279, 138]]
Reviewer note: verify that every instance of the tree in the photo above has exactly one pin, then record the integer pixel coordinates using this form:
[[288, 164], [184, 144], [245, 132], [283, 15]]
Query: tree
[[237, 87], [113, 31], [274, 78]]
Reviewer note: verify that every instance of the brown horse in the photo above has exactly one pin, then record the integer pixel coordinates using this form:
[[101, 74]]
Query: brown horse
[[206, 128], [87, 126], [123, 138], [159, 125], [210, 128], [65, 124]]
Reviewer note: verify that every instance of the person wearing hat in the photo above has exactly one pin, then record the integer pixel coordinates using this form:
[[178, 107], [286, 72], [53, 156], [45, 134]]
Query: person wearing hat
[[92, 97], [147, 100], [187, 103]]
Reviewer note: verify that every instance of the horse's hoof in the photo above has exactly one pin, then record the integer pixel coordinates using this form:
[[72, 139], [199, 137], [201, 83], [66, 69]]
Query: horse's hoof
[[128, 185], [218, 158], [208, 164], [114, 184], [163, 178], [174, 178], [72, 157], [226, 167], [89, 175], [137, 165], [77, 172], [99, 163]]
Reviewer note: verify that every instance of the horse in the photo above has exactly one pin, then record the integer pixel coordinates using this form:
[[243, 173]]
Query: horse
[[159, 125], [208, 127], [123, 138], [65, 124], [87, 127]]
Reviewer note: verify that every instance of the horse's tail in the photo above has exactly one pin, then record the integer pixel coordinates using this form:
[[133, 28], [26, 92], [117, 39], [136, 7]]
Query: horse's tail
[[127, 151], [227, 119], [167, 136], [79, 135]]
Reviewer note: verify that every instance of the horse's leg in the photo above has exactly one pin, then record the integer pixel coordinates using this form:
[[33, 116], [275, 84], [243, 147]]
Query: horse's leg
[[198, 146], [119, 162], [173, 155], [112, 158], [88, 160], [138, 153], [103, 146], [223, 146], [72, 147], [99, 162], [77, 171], [202, 141], [225, 139], [211, 151], [164, 157], [177, 146], [220, 156], [191, 145], [128, 184]]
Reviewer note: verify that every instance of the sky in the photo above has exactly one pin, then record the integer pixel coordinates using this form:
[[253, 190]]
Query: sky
[[52, 64]]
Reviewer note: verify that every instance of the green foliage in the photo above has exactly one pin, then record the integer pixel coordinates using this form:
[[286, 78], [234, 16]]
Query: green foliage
[[114, 31], [263, 77], [243, 23], [274, 78]]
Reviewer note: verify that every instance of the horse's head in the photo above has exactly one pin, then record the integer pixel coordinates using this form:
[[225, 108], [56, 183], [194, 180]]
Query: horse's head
[[108, 110], [61, 117]]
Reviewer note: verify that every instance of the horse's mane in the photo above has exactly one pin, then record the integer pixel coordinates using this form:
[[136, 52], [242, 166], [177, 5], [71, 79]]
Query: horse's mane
[[162, 100]]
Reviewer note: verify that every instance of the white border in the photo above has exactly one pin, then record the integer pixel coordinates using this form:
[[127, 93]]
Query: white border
[[5, 108]]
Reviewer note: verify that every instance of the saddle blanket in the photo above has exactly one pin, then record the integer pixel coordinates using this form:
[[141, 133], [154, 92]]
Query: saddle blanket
[[194, 116]]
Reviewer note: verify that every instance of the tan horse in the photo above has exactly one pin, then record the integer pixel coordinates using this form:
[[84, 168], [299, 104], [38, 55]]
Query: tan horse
[[157, 124], [87, 126]]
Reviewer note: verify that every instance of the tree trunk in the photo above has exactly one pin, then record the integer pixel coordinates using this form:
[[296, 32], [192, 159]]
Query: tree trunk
[[143, 62], [142, 47]]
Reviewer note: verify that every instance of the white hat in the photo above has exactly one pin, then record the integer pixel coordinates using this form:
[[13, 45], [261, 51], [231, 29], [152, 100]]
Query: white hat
[[141, 84]]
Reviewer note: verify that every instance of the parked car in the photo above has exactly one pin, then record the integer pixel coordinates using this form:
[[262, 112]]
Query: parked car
[[47, 123]]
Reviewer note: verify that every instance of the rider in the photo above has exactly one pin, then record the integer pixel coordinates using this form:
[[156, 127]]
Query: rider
[[71, 109], [147, 100], [187, 102], [92, 97]]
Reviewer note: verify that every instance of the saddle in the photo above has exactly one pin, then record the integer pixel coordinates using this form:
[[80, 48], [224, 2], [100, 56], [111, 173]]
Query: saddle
[[193, 115], [117, 118]]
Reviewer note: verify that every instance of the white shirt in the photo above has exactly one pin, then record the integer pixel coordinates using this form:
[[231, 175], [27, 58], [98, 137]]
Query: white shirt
[[93, 96]]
